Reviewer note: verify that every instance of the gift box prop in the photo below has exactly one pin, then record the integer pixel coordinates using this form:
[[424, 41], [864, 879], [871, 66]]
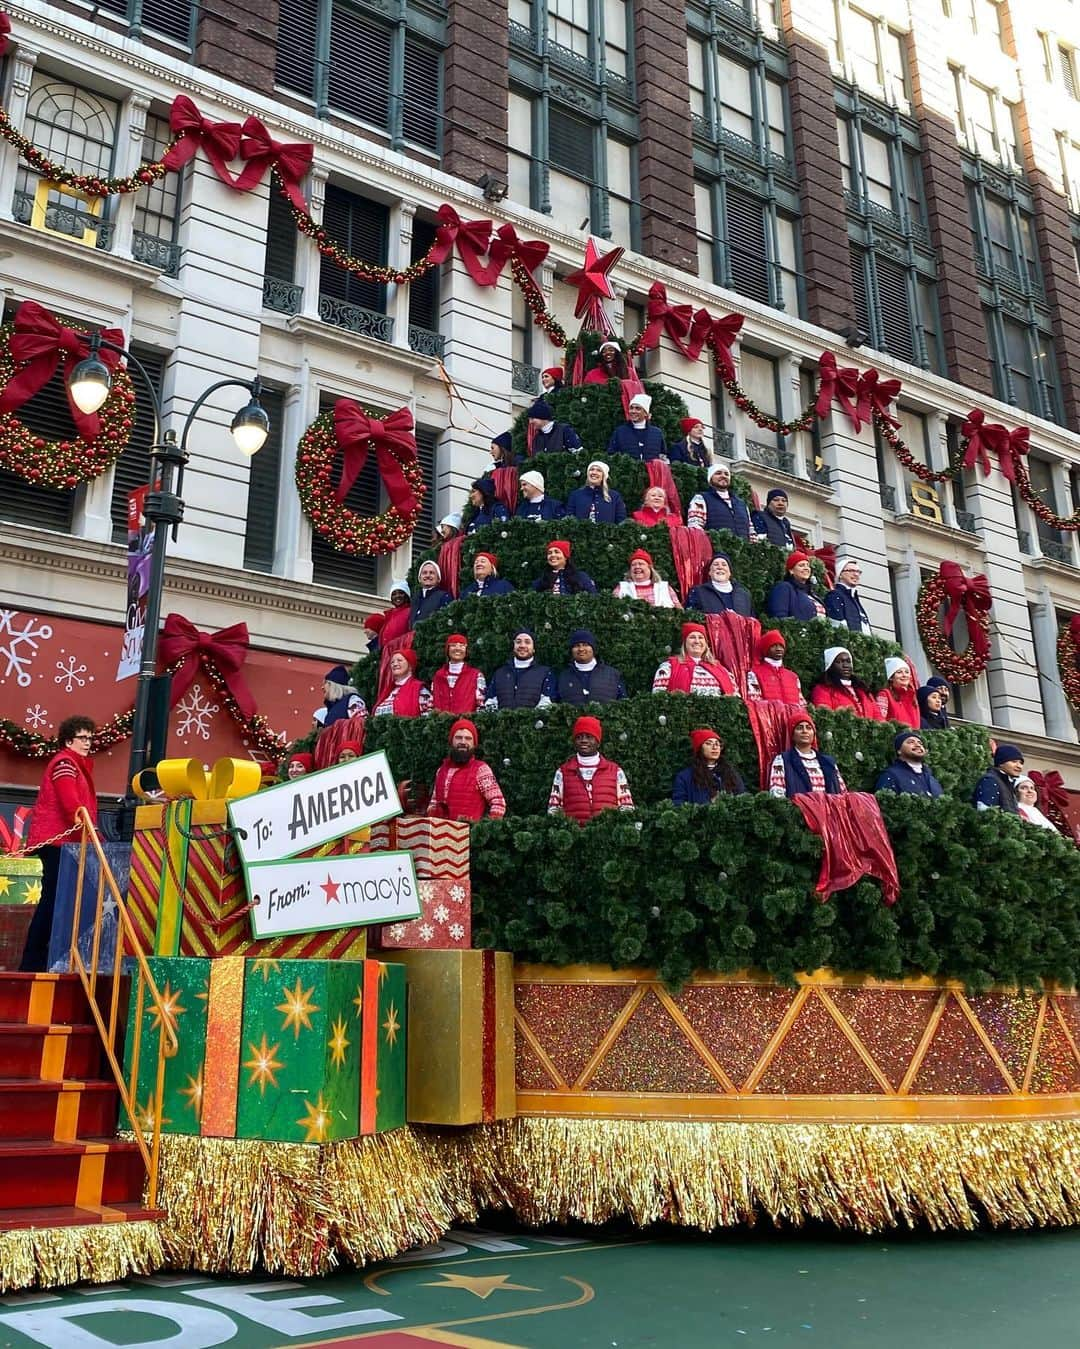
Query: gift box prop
[[118, 857], [291, 1051], [440, 850], [461, 1036], [186, 893], [20, 890]]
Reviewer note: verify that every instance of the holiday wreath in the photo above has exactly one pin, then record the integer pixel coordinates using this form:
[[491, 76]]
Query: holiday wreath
[[969, 595]]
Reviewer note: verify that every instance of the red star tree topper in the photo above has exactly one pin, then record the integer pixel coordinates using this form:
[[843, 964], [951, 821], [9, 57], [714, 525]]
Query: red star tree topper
[[594, 287]]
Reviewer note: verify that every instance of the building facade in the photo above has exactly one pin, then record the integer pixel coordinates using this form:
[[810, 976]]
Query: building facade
[[902, 178]]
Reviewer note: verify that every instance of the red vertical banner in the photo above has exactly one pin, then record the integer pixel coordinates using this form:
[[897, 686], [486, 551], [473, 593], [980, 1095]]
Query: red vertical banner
[[140, 543]]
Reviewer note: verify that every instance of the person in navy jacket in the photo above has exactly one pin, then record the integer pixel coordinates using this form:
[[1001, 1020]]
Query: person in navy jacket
[[534, 504], [521, 682], [842, 603], [908, 773], [772, 523], [997, 788], [547, 436], [718, 507], [486, 509], [596, 501], [637, 436], [502, 451], [709, 774], [560, 576], [795, 597], [692, 448], [720, 591], [586, 679], [430, 596], [486, 579]]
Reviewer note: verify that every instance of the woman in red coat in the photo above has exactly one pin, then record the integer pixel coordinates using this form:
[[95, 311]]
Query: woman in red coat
[[897, 701], [841, 690], [68, 784]]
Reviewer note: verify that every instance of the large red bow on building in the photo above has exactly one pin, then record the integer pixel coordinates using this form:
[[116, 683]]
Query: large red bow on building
[[473, 240], [292, 161], [529, 252], [718, 335], [219, 141], [1074, 628], [5, 30], [839, 383], [664, 317], [356, 432], [42, 344], [984, 438], [223, 651], [1052, 786], [875, 396], [972, 595]]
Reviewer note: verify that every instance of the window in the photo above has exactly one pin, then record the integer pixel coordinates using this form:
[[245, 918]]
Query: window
[[157, 207], [77, 127], [348, 571], [873, 55], [279, 264], [1041, 474], [748, 245], [1006, 246], [986, 123], [1025, 366], [133, 467], [386, 74], [260, 528], [362, 228], [425, 521], [423, 293], [1070, 171], [759, 375], [1067, 71], [170, 18]]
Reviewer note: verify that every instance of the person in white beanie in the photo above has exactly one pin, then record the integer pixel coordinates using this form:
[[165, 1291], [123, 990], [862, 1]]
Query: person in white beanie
[[431, 596], [596, 501], [1027, 798], [842, 603], [637, 436], [447, 527], [897, 701], [841, 690], [535, 505], [611, 364]]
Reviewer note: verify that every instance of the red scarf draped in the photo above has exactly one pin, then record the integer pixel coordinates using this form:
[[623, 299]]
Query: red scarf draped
[[855, 839]]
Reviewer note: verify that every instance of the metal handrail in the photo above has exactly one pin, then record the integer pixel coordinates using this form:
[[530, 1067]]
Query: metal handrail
[[167, 1041]]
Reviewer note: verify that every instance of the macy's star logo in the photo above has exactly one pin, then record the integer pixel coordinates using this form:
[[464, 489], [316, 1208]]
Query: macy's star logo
[[330, 887]]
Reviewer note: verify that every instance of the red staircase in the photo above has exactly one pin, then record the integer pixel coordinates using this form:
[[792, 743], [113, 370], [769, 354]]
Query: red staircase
[[61, 1163]]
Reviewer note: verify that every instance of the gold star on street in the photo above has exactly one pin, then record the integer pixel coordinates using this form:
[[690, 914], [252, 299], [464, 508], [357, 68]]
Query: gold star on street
[[297, 1008], [194, 1092], [338, 1043], [145, 1116], [266, 965], [482, 1285], [316, 1121], [5, 884], [263, 1063], [33, 893], [358, 1001], [170, 1010], [391, 1025]]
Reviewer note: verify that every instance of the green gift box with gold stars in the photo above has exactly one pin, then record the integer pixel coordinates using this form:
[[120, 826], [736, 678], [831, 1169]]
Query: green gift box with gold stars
[[184, 987], [20, 880]]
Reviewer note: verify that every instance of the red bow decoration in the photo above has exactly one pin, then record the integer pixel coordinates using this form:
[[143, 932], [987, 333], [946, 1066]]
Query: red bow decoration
[[662, 316], [1074, 628], [224, 651], [529, 252], [827, 555], [220, 141], [972, 594], [41, 343], [718, 335], [5, 29], [840, 383], [875, 395], [473, 240], [292, 161], [1052, 786], [356, 432], [984, 438]]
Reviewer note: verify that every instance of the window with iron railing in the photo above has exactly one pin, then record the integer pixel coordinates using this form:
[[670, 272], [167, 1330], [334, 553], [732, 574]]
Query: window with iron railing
[[260, 526], [156, 226], [166, 18], [361, 227]]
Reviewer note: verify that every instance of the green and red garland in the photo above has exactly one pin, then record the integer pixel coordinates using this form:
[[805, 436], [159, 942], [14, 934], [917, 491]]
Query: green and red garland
[[351, 431], [957, 594], [1068, 654]]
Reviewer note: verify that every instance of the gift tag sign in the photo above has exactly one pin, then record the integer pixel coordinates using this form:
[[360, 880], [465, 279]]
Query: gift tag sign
[[315, 809], [314, 893]]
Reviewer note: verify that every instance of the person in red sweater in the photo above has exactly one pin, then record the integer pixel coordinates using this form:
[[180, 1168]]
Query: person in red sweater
[[465, 787], [408, 696], [898, 701], [769, 679], [455, 686], [841, 690], [654, 509], [588, 783], [393, 622], [68, 784], [696, 670]]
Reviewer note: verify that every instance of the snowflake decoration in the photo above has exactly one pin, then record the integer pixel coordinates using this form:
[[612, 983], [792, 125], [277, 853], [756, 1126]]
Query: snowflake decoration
[[396, 932], [441, 914], [456, 931], [71, 674], [426, 931], [196, 712], [457, 893], [19, 645], [36, 716], [427, 891]]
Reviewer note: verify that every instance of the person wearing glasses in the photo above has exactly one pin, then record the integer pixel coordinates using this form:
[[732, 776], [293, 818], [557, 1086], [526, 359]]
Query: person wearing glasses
[[842, 603], [68, 784]]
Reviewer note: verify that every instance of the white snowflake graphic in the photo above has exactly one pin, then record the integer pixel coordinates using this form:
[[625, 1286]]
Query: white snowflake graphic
[[427, 891], [456, 931], [196, 712], [19, 645], [457, 893], [441, 914], [426, 931], [396, 931], [36, 716], [71, 673]]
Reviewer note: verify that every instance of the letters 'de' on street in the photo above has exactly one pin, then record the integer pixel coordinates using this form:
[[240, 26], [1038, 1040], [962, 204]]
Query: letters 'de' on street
[[313, 810], [313, 893]]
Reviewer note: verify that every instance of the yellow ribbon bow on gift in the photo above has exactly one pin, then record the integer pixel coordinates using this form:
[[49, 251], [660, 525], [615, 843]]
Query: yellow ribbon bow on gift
[[187, 779]]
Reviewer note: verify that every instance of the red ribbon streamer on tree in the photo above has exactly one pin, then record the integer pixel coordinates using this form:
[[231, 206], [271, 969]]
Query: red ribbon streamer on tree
[[839, 383], [984, 438], [855, 841], [43, 343], [292, 161], [225, 651], [875, 396], [473, 240], [972, 595], [356, 432], [219, 141], [450, 563]]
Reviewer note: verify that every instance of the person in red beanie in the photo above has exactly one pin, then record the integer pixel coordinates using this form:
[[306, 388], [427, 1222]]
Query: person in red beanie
[[795, 597], [298, 764], [486, 580], [802, 768], [643, 582], [696, 670], [349, 750], [67, 786], [692, 448], [465, 787], [841, 690], [588, 783], [769, 679], [408, 697], [654, 509], [709, 774], [455, 686], [551, 380], [561, 577]]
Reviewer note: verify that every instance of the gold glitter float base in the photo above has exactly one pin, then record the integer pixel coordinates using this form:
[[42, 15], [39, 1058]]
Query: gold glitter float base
[[56, 1257]]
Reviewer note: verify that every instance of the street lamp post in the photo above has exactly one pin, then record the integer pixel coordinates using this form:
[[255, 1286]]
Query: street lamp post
[[90, 383]]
